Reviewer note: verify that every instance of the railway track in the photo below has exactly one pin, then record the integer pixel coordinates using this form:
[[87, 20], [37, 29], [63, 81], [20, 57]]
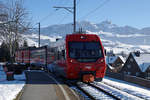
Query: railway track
[[95, 93], [131, 92], [100, 91]]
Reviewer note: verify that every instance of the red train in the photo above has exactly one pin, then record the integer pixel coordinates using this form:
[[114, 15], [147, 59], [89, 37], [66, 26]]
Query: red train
[[34, 57], [80, 56]]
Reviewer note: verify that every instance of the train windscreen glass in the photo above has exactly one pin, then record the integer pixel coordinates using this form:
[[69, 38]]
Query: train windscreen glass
[[85, 51]]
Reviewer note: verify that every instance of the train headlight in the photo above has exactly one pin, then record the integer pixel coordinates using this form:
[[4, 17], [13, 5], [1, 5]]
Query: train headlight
[[83, 37], [88, 67], [73, 61], [100, 61]]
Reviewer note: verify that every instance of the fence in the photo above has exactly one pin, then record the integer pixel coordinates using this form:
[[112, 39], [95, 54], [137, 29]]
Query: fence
[[128, 78]]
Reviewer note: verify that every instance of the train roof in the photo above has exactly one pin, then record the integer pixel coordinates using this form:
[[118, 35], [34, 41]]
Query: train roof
[[31, 48], [82, 37], [77, 34], [74, 36], [60, 42]]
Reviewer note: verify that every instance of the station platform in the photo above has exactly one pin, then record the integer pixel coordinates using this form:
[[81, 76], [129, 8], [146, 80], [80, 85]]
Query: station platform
[[42, 86]]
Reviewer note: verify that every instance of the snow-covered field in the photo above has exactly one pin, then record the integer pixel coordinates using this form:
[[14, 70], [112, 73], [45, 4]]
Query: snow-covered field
[[114, 37], [117, 38], [116, 43], [128, 87], [10, 89]]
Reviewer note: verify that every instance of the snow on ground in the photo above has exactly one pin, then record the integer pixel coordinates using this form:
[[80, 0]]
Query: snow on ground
[[52, 39], [10, 89], [111, 41], [128, 87]]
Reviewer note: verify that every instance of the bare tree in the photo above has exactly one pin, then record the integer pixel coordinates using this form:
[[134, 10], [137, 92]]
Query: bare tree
[[3, 13], [16, 24]]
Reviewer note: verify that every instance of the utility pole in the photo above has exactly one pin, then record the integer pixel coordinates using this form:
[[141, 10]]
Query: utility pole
[[73, 12], [39, 33], [74, 16]]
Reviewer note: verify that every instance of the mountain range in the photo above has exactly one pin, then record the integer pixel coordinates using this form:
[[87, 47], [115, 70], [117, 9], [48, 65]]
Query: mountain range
[[114, 37], [105, 26]]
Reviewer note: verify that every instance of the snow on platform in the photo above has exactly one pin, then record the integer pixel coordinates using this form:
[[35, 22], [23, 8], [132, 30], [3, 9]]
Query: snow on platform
[[10, 89]]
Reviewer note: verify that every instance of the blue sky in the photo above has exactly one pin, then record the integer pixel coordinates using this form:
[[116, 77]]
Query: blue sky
[[121, 12]]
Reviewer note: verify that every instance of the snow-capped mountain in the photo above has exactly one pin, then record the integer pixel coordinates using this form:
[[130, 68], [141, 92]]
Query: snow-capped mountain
[[117, 38], [145, 30], [105, 26]]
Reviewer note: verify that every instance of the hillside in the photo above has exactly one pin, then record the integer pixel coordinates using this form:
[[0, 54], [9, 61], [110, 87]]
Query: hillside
[[114, 37]]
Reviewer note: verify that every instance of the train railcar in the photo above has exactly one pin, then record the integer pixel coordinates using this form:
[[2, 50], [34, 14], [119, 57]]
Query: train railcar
[[34, 57], [80, 56]]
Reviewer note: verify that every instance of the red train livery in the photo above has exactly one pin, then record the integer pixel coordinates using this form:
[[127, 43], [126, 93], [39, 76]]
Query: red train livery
[[80, 56], [32, 56]]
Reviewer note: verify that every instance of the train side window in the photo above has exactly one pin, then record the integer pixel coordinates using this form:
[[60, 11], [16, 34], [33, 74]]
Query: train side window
[[105, 51], [63, 54], [58, 55]]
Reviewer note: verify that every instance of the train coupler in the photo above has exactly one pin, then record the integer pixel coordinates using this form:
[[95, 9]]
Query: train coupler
[[88, 78]]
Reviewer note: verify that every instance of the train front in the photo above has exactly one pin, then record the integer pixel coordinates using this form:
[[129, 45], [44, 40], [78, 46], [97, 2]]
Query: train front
[[85, 57]]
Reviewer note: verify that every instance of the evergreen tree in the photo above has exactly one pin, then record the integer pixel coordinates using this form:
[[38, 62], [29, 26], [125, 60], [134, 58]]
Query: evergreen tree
[[5, 52]]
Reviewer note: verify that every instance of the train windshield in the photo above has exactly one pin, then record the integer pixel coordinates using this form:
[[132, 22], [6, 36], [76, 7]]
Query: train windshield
[[85, 51]]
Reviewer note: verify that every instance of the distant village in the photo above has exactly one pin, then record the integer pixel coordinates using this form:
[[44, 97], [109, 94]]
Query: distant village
[[135, 64]]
